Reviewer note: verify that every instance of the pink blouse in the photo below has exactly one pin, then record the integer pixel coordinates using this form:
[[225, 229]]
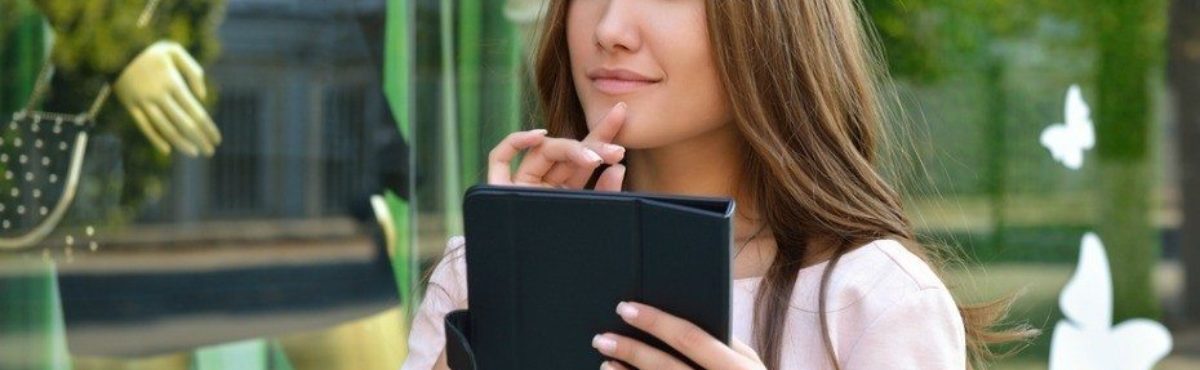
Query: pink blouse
[[886, 310]]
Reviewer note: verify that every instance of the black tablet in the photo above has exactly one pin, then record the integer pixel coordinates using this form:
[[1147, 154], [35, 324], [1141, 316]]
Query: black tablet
[[546, 269]]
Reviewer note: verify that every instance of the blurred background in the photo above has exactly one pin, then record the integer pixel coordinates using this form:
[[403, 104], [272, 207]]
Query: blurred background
[[351, 128]]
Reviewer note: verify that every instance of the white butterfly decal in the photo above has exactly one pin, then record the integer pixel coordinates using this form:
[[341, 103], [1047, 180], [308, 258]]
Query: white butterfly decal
[[1067, 141], [1086, 338]]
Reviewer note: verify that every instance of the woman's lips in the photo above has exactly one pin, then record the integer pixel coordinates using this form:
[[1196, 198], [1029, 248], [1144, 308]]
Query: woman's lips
[[616, 86], [617, 81]]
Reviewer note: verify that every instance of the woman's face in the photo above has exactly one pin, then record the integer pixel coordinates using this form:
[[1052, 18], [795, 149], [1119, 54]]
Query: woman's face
[[655, 56]]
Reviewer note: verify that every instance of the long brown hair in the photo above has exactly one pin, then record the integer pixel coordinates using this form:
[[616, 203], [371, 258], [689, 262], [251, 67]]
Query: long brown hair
[[804, 81]]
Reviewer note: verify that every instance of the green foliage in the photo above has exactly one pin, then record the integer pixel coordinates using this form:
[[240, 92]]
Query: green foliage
[[1131, 46], [925, 40], [102, 36], [987, 76], [1130, 42]]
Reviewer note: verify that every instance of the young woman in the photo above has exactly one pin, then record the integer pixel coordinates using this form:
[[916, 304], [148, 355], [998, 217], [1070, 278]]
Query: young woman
[[773, 103]]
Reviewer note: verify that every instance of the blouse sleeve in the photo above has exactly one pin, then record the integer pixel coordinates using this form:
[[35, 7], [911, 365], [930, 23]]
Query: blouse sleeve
[[921, 331], [446, 291]]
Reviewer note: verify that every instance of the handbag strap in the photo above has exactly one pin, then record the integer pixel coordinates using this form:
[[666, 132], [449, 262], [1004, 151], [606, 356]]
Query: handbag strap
[[42, 86]]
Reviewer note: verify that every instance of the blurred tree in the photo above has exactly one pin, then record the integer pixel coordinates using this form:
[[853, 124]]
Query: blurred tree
[[1184, 80], [926, 40], [1129, 38], [929, 40]]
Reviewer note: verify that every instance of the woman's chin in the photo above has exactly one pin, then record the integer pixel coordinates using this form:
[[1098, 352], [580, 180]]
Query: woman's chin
[[635, 134], [636, 141], [629, 140]]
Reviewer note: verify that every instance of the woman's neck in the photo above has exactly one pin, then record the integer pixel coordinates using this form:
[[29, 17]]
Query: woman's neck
[[707, 165]]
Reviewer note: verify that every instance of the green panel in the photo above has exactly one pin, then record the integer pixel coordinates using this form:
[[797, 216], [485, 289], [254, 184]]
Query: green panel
[[397, 64], [245, 355], [279, 358], [403, 261], [31, 317], [470, 84], [489, 82], [32, 331], [452, 179], [502, 89], [21, 53]]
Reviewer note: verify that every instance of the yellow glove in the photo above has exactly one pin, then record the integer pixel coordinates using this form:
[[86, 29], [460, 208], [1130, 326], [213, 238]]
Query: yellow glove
[[152, 88]]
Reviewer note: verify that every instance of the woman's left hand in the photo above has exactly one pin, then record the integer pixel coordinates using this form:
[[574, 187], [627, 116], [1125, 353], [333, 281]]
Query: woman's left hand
[[685, 337]]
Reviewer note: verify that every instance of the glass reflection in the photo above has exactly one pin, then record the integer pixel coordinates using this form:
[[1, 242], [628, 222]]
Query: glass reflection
[[249, 197], [222, 213]]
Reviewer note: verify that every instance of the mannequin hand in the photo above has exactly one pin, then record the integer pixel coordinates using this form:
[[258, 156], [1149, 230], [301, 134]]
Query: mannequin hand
[[681, 335], [152, 88], [562, 163]]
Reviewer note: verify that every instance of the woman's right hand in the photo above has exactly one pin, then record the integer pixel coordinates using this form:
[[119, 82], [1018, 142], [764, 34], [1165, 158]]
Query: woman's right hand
[[559, 162]]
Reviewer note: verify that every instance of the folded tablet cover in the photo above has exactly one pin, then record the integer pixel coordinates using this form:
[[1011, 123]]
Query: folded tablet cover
[[546, 269]]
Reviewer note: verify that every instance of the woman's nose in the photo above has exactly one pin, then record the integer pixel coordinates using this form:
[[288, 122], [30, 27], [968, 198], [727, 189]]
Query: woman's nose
[[618, 28]]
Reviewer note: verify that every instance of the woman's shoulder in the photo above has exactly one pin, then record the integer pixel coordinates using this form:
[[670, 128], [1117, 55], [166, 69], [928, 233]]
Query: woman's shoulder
[[882, 300], [876, 274], [449, 276], [454, 257], [893, 259], [889, 301]]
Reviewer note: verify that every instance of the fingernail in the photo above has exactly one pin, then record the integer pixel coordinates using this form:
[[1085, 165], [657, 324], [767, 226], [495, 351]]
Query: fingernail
[[606, 366], [540, 131], [615, 149], [627, 311], [592, 156], [622, 105], [604, 344]]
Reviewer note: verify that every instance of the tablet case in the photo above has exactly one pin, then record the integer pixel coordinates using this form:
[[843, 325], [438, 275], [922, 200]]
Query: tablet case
[[546, 269]]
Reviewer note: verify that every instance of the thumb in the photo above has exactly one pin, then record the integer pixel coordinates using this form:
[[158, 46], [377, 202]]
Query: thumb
[[744, 350]]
